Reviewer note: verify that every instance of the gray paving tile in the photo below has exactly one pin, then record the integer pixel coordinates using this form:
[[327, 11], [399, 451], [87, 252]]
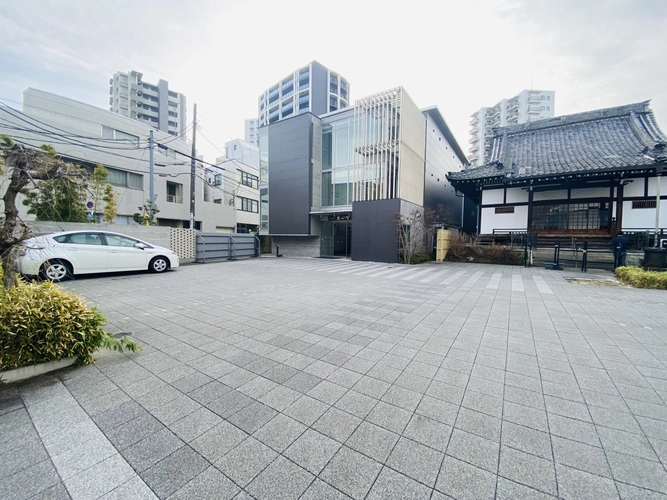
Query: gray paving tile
[[280, 432], [416, 461], [475, 450], [29, 481], [393, 485], [134, 489], [580, 456], [218, 440], [389, 417], [28, 454], [479, 423], [373, 441], [356, 403], [510, 490], [528, 470], [306, 410], [229, 403], [437, 409], [428, 432], [327, 392], [337, 424], [252, 417], [151, 449], [461, 480], [351, 472], [174, 471], [574, 484], [246, 461], [320, 490], [282, 480], [527, 439], [133, 431], [100, 479], [280, 397], [638, 472], [302, 382], [195, 424], [312, 451]]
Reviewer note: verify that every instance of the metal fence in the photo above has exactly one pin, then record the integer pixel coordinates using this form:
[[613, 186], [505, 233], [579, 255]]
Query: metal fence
[[216, 246]]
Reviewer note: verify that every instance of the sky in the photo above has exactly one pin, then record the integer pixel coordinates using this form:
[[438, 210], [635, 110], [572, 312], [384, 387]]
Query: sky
[[460, 55]]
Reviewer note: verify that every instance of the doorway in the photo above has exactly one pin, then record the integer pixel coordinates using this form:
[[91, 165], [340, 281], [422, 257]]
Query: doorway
[[336, 239]]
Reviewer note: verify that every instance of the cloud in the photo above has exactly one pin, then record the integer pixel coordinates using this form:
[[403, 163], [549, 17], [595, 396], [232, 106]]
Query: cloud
[[457, 55]]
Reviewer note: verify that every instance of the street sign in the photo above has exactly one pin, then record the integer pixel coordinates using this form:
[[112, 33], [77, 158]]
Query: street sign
[[90, 205]]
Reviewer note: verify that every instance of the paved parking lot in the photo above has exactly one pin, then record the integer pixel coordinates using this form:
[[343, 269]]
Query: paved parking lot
[[316, 379]]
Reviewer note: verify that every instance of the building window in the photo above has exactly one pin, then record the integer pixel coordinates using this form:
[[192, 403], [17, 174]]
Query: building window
[[110, 133], [542, 97], [504, 210], [548, 98], [248, 179], [548, 108], [643, 204], [122, 178], [247, 205], [174, 192]]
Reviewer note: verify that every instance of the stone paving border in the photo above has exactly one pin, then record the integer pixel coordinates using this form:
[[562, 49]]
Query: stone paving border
[[305, 378]]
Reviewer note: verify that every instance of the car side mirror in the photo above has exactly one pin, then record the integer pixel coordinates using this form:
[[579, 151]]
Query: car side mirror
[[141, 246]]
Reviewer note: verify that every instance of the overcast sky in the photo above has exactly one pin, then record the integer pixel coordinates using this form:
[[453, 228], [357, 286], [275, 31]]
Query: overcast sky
[[457, 54]]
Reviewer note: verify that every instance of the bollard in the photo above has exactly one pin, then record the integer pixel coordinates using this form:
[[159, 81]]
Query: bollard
[[278, 254]]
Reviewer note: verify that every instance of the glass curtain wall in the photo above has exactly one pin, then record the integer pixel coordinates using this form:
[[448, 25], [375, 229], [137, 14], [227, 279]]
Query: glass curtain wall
[[337, 158], [264, 179]]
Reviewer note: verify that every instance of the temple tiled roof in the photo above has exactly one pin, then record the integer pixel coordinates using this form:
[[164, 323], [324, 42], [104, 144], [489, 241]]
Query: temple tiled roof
[[624, 137]]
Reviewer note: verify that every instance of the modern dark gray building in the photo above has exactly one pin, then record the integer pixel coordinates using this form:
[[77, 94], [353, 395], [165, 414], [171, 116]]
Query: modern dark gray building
[[311, 89], [331, 185]]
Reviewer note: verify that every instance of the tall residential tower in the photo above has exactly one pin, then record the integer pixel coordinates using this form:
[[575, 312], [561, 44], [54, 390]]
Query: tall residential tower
[[528, 106], [154, 105], [313, 88]]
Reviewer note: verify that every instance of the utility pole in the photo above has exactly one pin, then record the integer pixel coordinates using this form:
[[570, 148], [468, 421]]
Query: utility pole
[[151, 174], [193, 169]]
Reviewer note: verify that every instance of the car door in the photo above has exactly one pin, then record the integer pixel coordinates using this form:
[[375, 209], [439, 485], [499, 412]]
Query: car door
[[86, 251], [124, 255]]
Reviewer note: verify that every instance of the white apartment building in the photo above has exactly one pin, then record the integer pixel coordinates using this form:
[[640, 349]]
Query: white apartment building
[[251, 135], [154, 105], [242, 151], [89, 136], [313, 88], [528, 106], [240, 183]]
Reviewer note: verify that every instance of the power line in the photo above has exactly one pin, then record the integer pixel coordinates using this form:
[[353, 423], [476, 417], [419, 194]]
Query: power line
[[105, 149]]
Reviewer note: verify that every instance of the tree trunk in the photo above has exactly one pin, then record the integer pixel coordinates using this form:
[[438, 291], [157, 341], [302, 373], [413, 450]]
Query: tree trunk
[[10, 267]]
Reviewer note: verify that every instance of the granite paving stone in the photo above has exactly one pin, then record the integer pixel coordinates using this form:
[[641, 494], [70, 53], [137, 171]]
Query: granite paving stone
[[351, 472], [312, 451], [246, 461], [281, 378]]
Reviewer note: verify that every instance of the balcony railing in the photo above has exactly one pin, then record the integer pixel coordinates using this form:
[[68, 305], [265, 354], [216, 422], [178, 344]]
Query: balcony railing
[[174, 198]]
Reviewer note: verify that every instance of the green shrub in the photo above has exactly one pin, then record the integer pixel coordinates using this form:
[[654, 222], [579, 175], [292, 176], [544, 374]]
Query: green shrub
[[639, 278], [41, 322], [418, 258]]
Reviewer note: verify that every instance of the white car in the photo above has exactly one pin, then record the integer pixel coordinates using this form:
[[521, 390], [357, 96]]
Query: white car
[[60, 256]]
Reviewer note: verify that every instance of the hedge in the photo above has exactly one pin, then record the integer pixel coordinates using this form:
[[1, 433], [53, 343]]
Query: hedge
[[42, 322], [640, 278]]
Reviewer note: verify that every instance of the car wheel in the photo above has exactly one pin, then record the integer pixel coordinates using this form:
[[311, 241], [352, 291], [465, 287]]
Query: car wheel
[[56, 270], [158, 265]]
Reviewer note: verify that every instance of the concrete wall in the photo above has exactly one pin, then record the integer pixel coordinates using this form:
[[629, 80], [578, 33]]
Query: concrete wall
[[155, 235], [296, 246], [440, 158], [374, 234]]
